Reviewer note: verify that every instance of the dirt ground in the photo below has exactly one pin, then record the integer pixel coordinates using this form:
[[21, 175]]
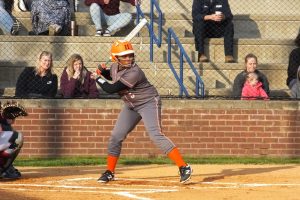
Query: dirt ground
[[156, 182]]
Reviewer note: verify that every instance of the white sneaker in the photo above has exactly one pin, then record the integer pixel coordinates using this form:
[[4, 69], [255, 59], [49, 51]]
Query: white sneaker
[[98, 33], [108, 33], [21, 6]]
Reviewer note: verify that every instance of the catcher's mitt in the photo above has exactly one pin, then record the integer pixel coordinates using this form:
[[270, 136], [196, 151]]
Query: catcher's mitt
[[11, 110]]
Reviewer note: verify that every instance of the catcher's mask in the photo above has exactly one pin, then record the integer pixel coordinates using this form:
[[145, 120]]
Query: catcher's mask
[[122, 52]]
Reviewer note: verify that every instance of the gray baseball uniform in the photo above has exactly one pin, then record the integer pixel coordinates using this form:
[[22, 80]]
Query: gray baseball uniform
[[142, 101]]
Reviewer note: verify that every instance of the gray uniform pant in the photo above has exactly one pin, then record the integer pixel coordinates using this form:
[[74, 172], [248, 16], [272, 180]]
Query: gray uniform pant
[[128, 118]]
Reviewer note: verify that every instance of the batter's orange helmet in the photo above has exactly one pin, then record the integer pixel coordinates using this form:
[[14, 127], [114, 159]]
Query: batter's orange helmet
[[120, 48]]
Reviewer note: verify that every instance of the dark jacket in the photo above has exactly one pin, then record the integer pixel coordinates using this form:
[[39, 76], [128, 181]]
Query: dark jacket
[[109, 9], [73, 88], [240, 79], [294, 63], [206, 7], [31, 85]]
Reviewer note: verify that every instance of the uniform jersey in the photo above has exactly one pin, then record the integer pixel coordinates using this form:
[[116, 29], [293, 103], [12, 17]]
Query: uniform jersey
[[140, 90]]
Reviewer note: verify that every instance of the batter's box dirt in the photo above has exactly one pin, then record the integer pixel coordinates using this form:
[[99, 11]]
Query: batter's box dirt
[[155, 182]]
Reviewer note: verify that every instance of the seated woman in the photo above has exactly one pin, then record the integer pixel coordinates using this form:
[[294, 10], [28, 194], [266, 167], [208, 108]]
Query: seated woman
[[293, 69], [108, 12], [250, 66], [38, 82], [50, 17], [76, 80]]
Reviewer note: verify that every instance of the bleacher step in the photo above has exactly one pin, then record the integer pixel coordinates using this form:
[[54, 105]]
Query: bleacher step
[[246, 26], [24, 48]]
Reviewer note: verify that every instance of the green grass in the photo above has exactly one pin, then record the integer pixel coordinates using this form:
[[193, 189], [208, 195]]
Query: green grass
[[80, 161]]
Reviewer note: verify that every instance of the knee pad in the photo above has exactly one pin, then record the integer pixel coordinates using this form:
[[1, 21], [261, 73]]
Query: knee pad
[[7, 153]]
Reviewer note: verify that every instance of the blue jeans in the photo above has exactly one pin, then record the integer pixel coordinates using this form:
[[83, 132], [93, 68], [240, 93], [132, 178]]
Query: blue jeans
[[114, 22], [6, 21]]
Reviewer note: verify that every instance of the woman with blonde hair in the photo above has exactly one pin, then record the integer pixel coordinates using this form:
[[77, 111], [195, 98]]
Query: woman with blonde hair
[[38, 81], [76, 80]]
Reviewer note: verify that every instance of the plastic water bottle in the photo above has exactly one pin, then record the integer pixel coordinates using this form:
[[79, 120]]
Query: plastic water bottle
[[74, 28]]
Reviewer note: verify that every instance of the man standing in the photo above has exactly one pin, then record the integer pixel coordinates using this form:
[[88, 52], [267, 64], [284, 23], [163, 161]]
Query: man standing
[[212, 19]]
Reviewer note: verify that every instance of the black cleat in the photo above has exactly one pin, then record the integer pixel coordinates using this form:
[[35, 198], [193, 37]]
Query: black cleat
[[11, 173], [106, 177], [185, 173]]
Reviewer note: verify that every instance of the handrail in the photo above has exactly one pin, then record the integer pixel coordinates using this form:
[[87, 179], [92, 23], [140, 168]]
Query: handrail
[[199, 82], [153, 37]]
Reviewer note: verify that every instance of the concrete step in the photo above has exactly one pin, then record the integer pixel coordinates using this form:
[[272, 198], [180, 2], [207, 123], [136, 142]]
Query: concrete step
[[265, 29], [26, 48], [225, 93], [272, 7], [214, 75], [286, 7], [246, 26]]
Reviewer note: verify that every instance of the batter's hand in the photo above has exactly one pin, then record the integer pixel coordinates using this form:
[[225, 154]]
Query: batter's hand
[[100, 69]]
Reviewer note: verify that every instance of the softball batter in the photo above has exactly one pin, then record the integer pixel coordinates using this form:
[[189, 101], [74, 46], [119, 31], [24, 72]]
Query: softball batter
[[142, 101]]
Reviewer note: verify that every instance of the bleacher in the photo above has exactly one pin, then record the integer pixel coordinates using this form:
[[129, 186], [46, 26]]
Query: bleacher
[[265, 31]]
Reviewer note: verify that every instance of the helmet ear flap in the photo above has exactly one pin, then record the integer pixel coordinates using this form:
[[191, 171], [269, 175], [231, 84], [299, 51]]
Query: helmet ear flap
[[120, 48], [113, 58]]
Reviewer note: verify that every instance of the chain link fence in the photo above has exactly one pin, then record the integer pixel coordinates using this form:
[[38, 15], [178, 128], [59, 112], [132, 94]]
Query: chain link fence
[[265, 28]]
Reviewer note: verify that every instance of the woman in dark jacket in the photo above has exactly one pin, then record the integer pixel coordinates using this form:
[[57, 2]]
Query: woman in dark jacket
[[76, 80], [251, 65], [38, 82], [294, 65]]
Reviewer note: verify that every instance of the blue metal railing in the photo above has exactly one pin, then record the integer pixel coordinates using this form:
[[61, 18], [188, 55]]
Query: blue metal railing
[[153, 37], [199, 82]]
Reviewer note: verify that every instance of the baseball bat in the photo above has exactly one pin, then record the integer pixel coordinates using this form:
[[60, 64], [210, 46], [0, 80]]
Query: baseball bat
[[136, 29]]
